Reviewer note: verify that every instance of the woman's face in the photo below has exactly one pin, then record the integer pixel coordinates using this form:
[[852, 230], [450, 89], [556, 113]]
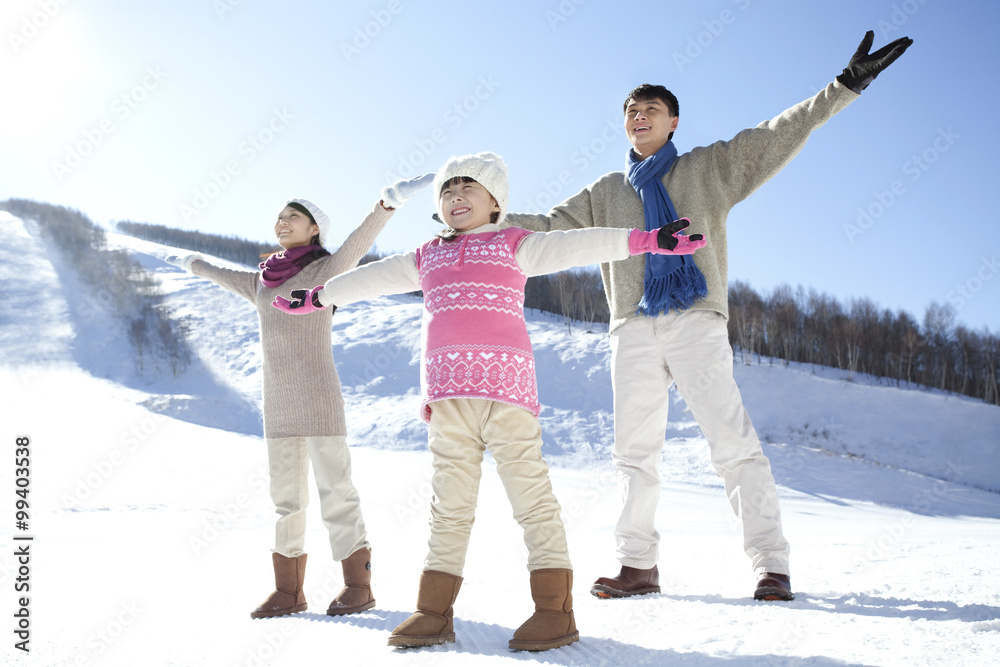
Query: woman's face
[[294, 229]]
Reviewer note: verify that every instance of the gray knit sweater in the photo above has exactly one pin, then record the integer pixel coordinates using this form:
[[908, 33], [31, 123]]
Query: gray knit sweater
[[703, 185], [301, 388]]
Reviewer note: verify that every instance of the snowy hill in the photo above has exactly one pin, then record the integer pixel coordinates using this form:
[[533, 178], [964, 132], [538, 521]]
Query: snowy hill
[[152, 522]]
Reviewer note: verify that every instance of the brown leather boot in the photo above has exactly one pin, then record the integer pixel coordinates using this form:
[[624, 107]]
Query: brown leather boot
[[357, 592], [630, 581], [287, 598], [773, 586], [553, 624], [432, 622]]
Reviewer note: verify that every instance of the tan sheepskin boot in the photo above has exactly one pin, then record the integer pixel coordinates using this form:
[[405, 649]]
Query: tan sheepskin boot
[[357, 592], [287, 598], [552, 625], [432, 622]]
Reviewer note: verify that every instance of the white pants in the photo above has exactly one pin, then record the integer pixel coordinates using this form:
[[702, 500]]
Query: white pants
[[692, 350], [340, 506], [461, 429]]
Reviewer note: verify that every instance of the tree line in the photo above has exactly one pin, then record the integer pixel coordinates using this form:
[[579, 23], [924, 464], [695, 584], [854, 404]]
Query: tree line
[[232, 248], [860, 337], [119, 284]]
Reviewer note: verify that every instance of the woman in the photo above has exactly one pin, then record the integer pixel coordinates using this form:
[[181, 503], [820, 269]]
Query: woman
[[302, 403]]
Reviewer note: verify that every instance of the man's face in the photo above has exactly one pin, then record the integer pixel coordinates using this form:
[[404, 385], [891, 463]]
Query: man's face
[[648, 125]]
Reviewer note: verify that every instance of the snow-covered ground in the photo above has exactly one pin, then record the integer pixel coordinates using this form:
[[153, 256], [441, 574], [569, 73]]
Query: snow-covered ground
[[152, 523]]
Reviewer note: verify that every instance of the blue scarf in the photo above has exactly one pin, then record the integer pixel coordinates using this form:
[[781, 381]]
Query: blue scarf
[[672, 281]]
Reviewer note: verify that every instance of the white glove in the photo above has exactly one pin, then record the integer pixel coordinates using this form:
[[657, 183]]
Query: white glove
[[394, 195], [183, 261]]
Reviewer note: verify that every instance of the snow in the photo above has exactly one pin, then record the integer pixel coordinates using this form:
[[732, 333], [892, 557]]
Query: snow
[[152, 522]]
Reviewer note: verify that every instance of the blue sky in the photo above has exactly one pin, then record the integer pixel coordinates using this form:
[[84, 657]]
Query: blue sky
[[210, 114]]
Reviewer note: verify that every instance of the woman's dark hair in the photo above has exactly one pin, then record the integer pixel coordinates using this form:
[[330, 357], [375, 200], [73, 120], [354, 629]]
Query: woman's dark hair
[[647, 92], [313, 241], [448, 232], [302, 209]]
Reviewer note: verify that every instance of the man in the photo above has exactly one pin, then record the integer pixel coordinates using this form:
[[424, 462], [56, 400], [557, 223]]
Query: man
[[668, 316]]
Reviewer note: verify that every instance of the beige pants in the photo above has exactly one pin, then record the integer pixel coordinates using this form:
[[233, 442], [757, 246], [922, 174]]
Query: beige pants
[[692, 350], [340, 506], [461, 429]]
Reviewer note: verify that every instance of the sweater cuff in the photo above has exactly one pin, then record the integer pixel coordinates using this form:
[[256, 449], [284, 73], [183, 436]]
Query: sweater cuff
[[640, 242], [188, 260]]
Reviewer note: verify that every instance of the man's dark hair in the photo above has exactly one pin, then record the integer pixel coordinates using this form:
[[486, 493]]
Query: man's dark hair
[[647, 92]]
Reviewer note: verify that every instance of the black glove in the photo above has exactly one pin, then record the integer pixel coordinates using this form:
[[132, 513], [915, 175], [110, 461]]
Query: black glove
[[665, 237], [864, 66]]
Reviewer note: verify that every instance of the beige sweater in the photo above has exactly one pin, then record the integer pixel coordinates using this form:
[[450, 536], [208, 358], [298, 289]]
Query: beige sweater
[[703, 185], [301, 388]]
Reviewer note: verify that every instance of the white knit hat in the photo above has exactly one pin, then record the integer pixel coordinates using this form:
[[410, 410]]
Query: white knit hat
[[488, 169], [318, 215]]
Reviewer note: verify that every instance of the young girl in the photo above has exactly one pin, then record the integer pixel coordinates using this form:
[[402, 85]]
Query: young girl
[[303, 407], [478, 379]]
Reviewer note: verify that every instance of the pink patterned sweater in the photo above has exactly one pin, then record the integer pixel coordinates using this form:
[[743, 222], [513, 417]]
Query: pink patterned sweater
[[475, 340]]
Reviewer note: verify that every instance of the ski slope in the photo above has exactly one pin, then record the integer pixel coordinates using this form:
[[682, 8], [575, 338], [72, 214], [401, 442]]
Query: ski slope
[[152, 522]]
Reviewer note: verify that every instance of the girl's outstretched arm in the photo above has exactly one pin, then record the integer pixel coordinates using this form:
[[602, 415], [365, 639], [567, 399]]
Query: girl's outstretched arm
[[395, 274], [549, 252]]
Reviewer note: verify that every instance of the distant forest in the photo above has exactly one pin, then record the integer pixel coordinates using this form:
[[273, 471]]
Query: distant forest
[[789, 324], [119, 284]]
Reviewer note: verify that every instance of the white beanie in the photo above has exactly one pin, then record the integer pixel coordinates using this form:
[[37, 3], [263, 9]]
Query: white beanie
[[318, 215], [488, 169]]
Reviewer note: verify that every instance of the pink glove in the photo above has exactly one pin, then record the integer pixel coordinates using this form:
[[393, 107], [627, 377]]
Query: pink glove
[[667, 240], [303, 301]]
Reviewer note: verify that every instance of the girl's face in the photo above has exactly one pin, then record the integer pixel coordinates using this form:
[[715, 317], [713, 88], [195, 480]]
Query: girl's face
[[466, 206], [294, 229]]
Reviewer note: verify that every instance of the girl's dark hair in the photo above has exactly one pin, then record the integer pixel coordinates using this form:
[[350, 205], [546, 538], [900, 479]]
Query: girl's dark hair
[[448, 232]]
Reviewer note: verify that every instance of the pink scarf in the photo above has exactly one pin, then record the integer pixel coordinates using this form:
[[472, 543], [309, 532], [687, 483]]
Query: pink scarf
[[281, 266]]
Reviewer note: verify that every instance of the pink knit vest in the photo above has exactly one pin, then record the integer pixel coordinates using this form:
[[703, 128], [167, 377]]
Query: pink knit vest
[[475, 340]]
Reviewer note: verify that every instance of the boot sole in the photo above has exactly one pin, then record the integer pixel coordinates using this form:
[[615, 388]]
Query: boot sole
[[403, 641], [525, 645], [772, 594], [350, 610], [606, 592], [279, 612]]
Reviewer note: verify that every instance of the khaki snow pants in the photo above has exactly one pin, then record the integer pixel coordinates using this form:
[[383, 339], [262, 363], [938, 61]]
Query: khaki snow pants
[[461, 429], [692, 350], [340, 505]]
